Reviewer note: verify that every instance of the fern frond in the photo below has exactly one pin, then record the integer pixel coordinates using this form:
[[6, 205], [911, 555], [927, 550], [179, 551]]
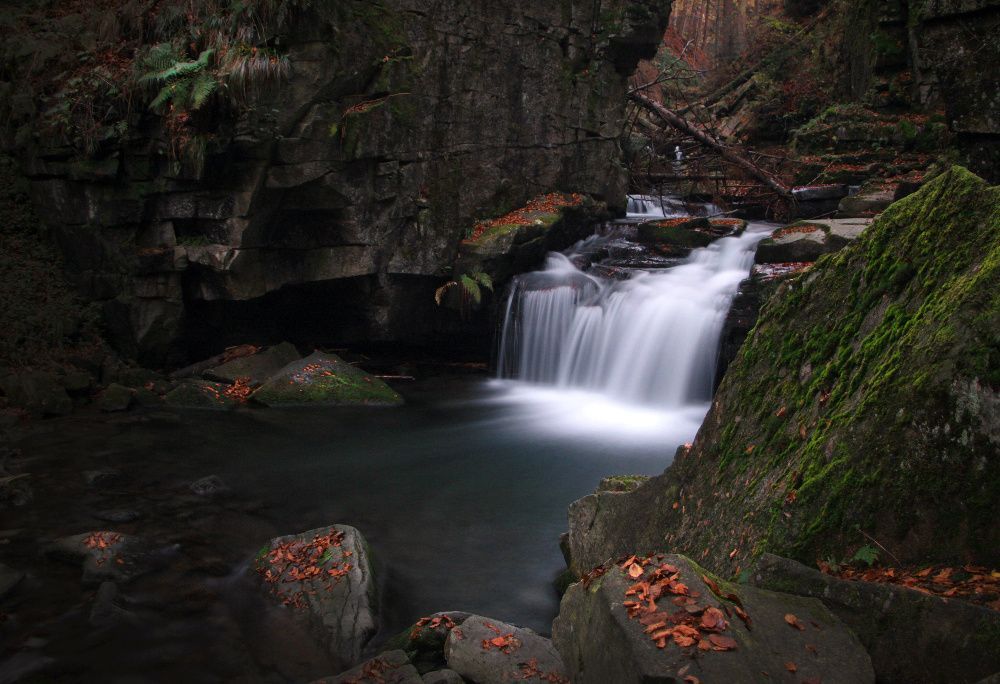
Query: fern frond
[[202, 88], [440, 292], [471, 288], [484, 279]]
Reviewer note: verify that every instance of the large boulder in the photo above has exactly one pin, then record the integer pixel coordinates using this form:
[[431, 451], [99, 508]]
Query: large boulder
[[865, 397], [911, 636], [664, 619], [424, 641], [255, 368], [486, 651], [324, 578], [325, 380]]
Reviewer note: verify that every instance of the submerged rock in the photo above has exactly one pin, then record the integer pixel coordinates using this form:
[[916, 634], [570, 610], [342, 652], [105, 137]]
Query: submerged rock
[[781, 634], [210, 485], [255, 368], [104, 555], [9, 578], [491, 652], [324, 578], [325, 380], [900, 627]]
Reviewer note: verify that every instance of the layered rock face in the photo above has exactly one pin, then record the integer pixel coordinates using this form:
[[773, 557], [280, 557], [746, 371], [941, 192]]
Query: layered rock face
[[345, 194]]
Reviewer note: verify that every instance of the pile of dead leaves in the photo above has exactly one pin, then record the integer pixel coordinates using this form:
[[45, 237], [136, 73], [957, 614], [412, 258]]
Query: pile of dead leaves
[[240, 390], [688, 624], [319, 562], [970, 582], [505, 643], [530, 670], [238, 352], [433, 623], [548, 204]]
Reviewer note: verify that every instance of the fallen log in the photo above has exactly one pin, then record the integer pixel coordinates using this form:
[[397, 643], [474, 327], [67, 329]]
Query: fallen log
[[705, 138]]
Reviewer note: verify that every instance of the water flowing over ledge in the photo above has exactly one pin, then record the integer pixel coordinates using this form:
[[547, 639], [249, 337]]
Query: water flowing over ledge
[[622, 353]]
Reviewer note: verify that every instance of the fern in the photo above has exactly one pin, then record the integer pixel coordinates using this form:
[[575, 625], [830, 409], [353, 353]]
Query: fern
[[201, 89], [471, 288], [866, 554]]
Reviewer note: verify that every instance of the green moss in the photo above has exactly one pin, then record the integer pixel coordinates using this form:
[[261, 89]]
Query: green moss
[[866, 352]]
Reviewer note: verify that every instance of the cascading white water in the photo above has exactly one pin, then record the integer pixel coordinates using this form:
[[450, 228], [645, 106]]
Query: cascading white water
[[652, 339]]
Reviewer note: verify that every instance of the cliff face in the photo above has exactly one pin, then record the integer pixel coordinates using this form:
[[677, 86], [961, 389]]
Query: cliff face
[[337, 203], [864, 405]]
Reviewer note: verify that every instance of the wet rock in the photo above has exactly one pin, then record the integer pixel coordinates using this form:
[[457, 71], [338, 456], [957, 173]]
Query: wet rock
[[104, 555], [9, 578], [796, 243], [424, 641], [146, 398], [818, 193], [442, 677], [257, 368], [323, 577], [211, 485], [105, 611], [115, 398], [118, 515], [325, 379], [678, 234], [866, 204], [15, 490], [392, 667], [910, 636], [490, 652], [101, 478], [38, 392], [601, 643], [200, 394]]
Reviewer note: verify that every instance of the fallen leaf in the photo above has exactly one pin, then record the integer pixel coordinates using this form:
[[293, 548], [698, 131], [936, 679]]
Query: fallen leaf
[[791, 667], [794, 622], [722, 643]]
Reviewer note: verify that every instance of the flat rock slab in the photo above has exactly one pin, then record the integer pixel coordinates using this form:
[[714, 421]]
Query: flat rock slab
[[256, 368], [324, 577], [491, 652], [105, 555], [867, 204], [848, 229], [785, 635], [911, 636], [392, 667], [325, 380]]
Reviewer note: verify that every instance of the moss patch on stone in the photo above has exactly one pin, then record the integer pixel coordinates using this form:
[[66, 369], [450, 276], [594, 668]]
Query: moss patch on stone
[[325, 379]]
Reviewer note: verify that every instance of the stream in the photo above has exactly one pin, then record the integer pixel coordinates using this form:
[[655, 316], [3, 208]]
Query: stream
[[606, 367]]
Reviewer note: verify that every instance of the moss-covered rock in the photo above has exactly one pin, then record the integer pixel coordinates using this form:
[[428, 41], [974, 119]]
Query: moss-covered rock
[[681, 233], [325, 380], [201, 394], [864, 404]]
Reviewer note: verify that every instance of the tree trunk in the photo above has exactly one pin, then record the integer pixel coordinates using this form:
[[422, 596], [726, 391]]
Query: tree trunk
[[705, 138]]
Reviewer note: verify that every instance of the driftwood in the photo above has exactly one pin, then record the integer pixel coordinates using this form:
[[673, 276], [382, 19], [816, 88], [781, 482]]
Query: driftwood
[[674, 120]]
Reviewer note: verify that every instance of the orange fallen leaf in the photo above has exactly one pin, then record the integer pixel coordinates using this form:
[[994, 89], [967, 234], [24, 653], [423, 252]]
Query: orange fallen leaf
[[791, 667], [794, 622]]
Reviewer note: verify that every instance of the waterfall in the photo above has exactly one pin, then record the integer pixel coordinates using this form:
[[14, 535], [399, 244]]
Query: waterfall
[[651, 339]]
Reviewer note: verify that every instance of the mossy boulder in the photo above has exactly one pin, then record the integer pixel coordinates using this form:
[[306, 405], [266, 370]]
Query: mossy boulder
[[115, 398], [865, 403], [40, 393], [201, 394], [687, 234], [325, 380]]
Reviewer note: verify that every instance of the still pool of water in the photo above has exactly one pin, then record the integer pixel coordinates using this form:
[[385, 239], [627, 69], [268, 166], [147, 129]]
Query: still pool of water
[[462, 494]]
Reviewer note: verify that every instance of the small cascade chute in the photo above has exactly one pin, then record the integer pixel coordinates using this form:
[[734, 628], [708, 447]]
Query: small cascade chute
[[651, 339]]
